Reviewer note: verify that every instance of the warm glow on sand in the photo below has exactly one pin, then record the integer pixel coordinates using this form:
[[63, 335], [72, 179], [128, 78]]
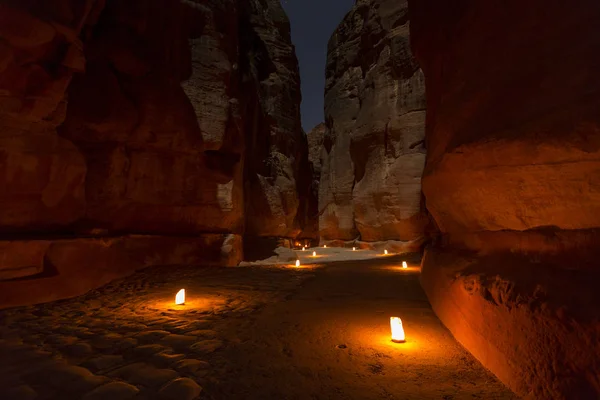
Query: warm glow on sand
[[404, 265], [397, 330], [297, 263], [180, 297]]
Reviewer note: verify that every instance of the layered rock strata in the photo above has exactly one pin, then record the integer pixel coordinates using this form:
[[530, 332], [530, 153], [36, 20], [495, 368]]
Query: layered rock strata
[[513, 141], [370, 185], [124, 122]]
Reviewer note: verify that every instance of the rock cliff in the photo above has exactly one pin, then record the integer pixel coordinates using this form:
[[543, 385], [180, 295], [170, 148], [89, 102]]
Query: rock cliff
[[513, 143], [375, 114], [315, 143], [152, 132], [315, 147], [277, 174]]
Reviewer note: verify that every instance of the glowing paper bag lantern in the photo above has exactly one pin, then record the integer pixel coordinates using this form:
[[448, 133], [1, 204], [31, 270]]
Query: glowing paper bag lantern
[[397, 330], [297, 263], [404, 265], [354, 249], [385, 252], [314, 253], [325, 246], [303, 248], [180, 297]]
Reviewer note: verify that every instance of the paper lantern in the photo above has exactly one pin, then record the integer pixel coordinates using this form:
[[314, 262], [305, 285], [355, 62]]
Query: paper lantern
[[180, 297], [397, 330], [404, 265], [314, 253], [297, 263], [385, 252], [354, 249]]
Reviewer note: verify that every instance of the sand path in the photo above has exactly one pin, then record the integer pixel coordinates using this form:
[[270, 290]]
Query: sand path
[[330, 340], [259, 332]]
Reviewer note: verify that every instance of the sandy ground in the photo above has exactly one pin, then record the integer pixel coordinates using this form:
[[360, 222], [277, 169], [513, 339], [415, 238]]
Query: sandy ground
[[331, 340], [320, 331]]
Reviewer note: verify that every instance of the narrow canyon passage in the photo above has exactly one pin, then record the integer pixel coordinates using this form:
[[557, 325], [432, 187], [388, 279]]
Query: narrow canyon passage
[[330, 340], [317, 332]]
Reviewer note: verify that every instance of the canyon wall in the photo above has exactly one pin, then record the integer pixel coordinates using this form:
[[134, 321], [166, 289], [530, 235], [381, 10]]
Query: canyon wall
[[142, 133], [513, 181], [277, 173], [315, 148], [370, 185]]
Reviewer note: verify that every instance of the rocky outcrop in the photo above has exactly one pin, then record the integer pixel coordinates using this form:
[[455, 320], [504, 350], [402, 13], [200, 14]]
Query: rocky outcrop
[[121, 120], [513, 144], [375, 113]]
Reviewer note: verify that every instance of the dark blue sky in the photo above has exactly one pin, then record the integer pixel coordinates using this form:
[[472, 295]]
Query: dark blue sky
[[313, 22]]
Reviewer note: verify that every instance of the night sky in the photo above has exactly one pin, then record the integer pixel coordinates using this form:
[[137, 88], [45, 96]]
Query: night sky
[[313, 22]]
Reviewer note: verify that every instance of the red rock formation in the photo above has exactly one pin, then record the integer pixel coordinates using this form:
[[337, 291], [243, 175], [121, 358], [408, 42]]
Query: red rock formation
[[513, 139], [374, 104], [132, 118]]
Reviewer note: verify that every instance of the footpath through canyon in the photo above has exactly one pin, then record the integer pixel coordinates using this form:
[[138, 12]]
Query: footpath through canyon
[[320, 331]]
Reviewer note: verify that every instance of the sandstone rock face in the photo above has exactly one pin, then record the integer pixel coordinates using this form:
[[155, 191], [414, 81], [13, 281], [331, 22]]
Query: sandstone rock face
[[70, 267], [511, 179], [164, 119], [277, 174], [41, 174], [315, 148], [375, 113], [147, 168]]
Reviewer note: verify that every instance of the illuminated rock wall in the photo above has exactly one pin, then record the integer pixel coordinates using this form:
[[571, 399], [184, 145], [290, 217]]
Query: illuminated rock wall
[[513, 181], [125, 121], [373, 157]]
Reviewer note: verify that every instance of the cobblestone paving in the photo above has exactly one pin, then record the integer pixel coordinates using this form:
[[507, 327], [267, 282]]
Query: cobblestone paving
[[128, 340]]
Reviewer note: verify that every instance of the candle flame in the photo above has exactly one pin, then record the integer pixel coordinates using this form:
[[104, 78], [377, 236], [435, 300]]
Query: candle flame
[[180, 297], [404, 265], [397, 330]]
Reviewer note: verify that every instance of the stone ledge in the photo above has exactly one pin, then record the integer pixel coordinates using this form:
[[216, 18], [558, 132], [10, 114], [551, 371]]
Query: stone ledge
[[535, 326], [66, 268]]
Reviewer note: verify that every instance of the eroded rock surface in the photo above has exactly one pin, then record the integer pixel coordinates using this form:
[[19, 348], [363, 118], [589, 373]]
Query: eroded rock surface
[[277, 177], [511, 179], [170, 120], [315, 148], [375, 113]]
